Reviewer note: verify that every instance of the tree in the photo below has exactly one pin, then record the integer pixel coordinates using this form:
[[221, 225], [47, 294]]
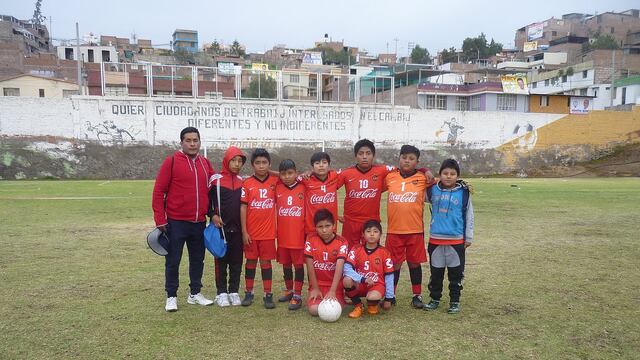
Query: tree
[[604, 42], [183, 56], [420, 55], [330, 56], [215, 47], [236, 49], [38, 18], [479, 48], [262, 87], [448, 56]]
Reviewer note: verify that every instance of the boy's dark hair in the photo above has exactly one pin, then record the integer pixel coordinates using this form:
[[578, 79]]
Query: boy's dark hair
[[319, 156], [287, 164], [364, 143], [372, 223], [410, 149], [323, 214], [450, 164], [260, 152], [188, 130]]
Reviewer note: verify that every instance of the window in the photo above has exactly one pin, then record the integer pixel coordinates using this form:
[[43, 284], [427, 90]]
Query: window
[[554, 33], [583, 92], [624, 96], [544, 101], [294, 78], [585, 73], [506, 102], [546, 82], [41, 92], [436, 102], [461, 103], [595, 92], [69, 93], [564, 78], [535, 85], [90, 56], [613, 29], [475, 103], [106, 56], [68, 53], [11, 92]]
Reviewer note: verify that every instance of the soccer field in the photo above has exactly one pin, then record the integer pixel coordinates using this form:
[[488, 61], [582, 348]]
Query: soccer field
[[553, 273]]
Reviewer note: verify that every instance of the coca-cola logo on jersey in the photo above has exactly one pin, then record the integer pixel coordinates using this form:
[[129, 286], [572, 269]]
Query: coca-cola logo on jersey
[[407, 197], [371, 275], [262, 204], [290, 211], [327, 198], [363, 194], [324, 266]]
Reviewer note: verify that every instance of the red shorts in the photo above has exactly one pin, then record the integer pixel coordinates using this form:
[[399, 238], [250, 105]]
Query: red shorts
[[324, 290], [352, 231], [288, 256], [362, 290], [409, 247], [262, 249]]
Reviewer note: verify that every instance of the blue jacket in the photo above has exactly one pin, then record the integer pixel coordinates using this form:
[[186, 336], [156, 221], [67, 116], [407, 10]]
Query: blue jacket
[[451, 213]]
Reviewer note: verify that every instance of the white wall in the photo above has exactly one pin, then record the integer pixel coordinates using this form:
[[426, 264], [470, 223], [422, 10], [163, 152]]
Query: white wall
[[632, 95], [154, 121], [84, 50]]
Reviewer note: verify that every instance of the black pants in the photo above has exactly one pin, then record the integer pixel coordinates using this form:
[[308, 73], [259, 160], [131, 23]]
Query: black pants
[[179, 233], [231, 260], [454, 273]]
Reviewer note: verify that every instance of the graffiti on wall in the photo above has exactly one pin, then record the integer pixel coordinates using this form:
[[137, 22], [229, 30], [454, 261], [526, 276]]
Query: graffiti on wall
[[450, 130], [526, 137], [108, 133]]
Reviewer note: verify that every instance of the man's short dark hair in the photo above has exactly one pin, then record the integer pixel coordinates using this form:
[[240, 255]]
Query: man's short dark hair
[[188, 130], [364, 143], [286, 164], [450, 164], [320, 156], [372, 224], [410, 149], [323, 214], [260, 152]]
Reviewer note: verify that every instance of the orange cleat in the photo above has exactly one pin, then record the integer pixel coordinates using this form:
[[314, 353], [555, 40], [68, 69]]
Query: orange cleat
[[372, 309], [357, 312]]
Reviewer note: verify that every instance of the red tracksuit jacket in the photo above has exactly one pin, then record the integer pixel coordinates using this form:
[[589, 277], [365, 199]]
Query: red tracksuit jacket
[[184, 182]]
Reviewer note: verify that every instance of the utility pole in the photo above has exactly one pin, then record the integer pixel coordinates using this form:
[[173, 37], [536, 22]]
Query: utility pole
[[78, 59], [396, 40], [613, 76]]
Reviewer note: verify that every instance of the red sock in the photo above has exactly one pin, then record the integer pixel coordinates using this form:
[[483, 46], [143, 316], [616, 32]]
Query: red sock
[[299, 279], [249, 275], [417, 289]]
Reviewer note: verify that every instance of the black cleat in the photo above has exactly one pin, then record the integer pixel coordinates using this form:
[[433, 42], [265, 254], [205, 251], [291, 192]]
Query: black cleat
[[454, 308], [286, 296], [432, 305], [248, 299], [268, 301], [416, 302], [295, 303]]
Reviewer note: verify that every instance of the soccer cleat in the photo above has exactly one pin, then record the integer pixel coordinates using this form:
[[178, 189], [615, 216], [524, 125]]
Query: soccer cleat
[[268, 301], [172, 304], [432, 305], [416, 302], [357, 311], [454, 308], [248, 299], [199, 299], [234, 299], [287, 295], [372, 309], [295, 303], [222, 300]]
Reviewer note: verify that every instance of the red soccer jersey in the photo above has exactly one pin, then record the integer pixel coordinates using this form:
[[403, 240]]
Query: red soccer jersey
[[373, 264], [290, 203], [325, 256], [259, 196], [363, 191], [321, 195]]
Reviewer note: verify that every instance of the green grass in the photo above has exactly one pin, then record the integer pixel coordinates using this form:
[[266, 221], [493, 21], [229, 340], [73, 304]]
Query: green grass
[[553, 274]]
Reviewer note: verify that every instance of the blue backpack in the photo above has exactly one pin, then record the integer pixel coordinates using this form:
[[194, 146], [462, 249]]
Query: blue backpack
[[214, 241]]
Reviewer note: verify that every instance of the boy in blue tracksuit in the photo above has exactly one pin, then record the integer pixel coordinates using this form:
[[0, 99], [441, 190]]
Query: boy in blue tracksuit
[[450, 233]]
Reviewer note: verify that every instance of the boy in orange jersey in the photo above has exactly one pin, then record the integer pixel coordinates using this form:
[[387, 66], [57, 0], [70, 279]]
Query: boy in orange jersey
[[406, 188], [321, 189], [257, 217], [369, 272], [290, 209], [325, 253]]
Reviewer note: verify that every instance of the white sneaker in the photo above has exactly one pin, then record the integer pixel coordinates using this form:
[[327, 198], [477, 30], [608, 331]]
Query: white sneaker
[[199, 299], [234, 298], [171, 305], [222, 300]]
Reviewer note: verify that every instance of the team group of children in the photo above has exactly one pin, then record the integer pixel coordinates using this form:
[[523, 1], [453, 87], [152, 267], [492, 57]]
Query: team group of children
[[300, 212]]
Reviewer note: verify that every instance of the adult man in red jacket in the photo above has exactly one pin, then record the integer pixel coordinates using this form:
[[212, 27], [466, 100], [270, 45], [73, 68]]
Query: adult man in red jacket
[[180, 202]]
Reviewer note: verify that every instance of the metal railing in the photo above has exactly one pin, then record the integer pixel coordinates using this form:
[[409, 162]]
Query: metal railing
[[176, 81]]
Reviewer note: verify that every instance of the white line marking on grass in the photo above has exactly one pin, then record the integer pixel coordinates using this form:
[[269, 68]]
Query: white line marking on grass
[[104, 183]]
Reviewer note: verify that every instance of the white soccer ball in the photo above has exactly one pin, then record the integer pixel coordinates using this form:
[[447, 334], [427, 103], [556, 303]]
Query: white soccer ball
[[329, 310]]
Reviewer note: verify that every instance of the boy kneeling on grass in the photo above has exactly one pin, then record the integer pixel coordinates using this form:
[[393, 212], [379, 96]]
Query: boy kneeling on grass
[[369, 272], [451, 232]]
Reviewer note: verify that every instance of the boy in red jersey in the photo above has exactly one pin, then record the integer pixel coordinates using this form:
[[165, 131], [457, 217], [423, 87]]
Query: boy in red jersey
[[257, 216], [369, 272], [405, 209], [325, 253], [321, 189], [290, 206]]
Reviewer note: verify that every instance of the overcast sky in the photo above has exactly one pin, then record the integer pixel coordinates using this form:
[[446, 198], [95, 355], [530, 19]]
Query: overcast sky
[[372, 25]]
